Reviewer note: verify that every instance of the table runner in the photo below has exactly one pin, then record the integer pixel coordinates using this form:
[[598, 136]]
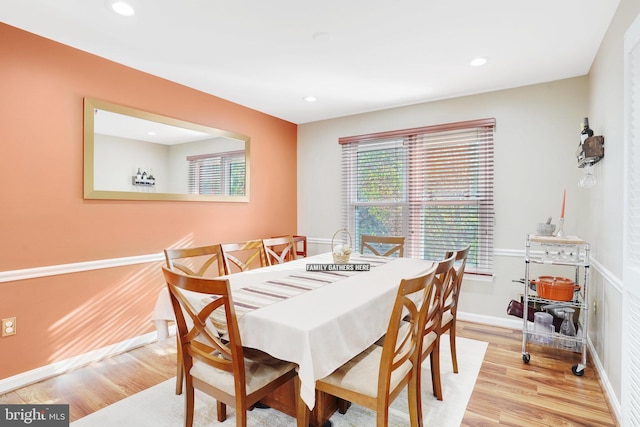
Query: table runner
[[163, 311], [264, 293]]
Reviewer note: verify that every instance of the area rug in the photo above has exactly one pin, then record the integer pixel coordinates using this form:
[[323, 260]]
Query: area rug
[[159, 406]]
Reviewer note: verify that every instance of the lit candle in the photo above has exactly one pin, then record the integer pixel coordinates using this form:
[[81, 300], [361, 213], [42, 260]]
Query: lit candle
[[564, 198]]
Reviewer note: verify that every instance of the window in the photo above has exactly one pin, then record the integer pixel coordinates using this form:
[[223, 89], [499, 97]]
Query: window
[[218, 173], [433, 185]]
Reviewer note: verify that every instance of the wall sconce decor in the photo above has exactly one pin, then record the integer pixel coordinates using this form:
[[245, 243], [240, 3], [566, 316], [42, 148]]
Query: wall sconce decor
[[590, 151]]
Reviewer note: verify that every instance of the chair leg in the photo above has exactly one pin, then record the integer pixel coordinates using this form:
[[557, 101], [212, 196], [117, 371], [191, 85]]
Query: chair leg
[[302, 412], [452, 344], [221, 410], [435, 372], [343, 405], [415, 396], [189, 404], [179, 373], [241, 418], [382, 414]]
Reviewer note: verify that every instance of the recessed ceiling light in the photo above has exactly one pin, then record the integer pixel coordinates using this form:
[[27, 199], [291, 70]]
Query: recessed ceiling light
[[123, 8], [477, 62], [310, 98]]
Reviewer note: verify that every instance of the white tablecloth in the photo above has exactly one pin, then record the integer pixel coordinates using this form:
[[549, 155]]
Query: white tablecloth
[[321, 329]]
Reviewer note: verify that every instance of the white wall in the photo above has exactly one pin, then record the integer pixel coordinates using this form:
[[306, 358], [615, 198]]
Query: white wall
[[118, 159], [603, 224], [535, 142]]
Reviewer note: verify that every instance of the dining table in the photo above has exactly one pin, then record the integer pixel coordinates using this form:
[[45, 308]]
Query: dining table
[[312, 312]]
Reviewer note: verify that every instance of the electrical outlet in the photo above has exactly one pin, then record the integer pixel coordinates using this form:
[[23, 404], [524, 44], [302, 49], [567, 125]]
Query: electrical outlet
[[8, 326]]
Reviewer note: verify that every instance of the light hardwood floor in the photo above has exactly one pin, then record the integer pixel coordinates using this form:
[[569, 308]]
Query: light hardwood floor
[[508, 392]]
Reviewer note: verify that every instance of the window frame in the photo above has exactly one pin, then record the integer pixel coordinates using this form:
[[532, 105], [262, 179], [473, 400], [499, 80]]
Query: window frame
[[413, 221]]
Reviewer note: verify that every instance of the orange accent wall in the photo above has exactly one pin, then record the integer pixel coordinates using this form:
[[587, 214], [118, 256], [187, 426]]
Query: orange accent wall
[[44, 220]]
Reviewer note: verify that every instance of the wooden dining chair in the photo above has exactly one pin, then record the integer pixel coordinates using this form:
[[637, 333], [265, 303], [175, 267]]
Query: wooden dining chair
[[279, 249], [431, 337], [450, 295], [195, 261], [223, 369], [375, 377], [243, 256], [382, 245], [301, 246]]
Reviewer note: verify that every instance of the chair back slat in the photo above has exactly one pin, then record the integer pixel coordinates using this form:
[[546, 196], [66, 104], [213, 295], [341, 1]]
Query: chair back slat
[[444, 275], [279, 250], [451, 292], [382, 245], [244, 256], [204, 261]]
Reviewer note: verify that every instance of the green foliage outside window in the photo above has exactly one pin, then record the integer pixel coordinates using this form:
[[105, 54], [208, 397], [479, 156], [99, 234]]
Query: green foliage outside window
[[237, 175], [380, 180]]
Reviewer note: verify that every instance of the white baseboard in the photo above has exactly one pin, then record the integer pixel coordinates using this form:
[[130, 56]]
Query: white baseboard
[[616, 406], [490, 320], [57, 368]]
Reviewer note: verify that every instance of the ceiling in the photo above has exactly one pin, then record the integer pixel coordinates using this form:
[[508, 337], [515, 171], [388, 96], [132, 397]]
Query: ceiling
[[354, 56]]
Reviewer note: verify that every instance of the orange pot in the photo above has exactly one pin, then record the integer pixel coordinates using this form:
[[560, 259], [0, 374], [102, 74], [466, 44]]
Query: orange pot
[[555, 288], [556, 280]]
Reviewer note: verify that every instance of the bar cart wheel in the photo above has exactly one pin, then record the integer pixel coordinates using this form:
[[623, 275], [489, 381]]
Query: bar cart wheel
[[578, 370], [526, 357]]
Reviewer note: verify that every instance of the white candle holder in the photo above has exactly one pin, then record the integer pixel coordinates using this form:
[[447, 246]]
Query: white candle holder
[[560, 233]]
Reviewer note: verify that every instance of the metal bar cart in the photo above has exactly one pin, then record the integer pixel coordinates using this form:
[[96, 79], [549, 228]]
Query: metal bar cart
[[566, 252]]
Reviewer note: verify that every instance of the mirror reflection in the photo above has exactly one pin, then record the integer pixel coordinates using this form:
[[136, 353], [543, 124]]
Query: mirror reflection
[[136, 155]]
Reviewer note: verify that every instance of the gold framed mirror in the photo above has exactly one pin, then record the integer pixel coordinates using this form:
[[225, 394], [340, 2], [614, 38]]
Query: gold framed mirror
[[131, 154]]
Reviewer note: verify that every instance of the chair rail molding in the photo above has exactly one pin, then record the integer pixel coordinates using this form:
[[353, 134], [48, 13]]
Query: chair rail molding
[[53, 270]]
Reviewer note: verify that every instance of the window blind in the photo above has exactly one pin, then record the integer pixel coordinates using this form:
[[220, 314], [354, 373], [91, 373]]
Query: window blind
[[433, 185], [217, 174]]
